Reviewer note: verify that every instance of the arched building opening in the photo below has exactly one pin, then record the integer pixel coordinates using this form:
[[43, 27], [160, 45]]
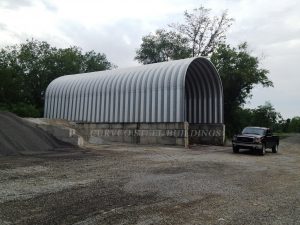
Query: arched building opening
[[203, 93]]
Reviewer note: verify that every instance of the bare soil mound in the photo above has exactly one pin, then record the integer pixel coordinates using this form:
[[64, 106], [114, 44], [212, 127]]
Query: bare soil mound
[[19, 137]]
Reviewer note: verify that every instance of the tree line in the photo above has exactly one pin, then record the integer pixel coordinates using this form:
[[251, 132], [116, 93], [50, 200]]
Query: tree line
[[27, 69], [265, 116]]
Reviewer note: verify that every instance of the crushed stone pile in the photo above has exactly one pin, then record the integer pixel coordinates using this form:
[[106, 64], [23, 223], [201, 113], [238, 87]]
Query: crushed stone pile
[[19, 137]]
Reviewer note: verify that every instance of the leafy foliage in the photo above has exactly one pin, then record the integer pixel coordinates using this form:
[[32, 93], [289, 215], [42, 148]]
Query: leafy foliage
[[200, 34], [288, 125], [294, 124], [28, 68], [162, 46], [239, 72], [262, 116], [265, 116], [203, 31]]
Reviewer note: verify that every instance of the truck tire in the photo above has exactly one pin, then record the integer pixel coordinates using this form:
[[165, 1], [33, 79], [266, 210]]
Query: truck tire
[[263, 150], [275, 148], [235, 149]]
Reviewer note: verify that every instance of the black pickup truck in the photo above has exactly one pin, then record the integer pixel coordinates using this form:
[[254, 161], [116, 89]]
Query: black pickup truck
[[256, 138]]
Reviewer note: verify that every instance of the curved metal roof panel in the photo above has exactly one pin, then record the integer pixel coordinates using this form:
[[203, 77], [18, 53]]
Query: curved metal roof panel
[[175, 91]]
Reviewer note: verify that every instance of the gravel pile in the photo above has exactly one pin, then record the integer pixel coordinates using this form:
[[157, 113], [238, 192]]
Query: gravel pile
[[19, 137]]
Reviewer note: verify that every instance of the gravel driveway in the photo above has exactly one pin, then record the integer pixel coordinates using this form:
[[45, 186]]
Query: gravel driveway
[[152, 185]]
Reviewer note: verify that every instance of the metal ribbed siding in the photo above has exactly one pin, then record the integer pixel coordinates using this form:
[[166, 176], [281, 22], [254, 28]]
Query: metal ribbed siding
[[176, 91], [204, 93]]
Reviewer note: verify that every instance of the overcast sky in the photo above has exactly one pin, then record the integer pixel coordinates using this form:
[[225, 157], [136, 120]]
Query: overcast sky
[[115, 27]]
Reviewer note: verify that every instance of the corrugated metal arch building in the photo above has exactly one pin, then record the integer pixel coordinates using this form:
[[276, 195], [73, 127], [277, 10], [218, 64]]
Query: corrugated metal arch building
[[175, 91]]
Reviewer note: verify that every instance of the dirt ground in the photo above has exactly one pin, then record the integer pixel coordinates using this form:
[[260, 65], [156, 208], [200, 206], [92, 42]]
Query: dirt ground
[[152, 185]]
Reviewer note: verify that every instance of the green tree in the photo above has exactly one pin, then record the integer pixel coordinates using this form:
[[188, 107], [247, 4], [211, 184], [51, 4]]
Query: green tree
[[242, 118], [294, 125], [240, 72], [203, 31], [285, 125], [199, 35], [265, 116], [28, 68], [9, 83], [162, 46]]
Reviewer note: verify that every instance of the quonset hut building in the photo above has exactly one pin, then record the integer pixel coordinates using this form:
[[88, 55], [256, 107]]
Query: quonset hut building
[[175, 102]]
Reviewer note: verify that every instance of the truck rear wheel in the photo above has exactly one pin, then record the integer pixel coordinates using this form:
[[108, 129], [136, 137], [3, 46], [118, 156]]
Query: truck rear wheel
[[275, 148]]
